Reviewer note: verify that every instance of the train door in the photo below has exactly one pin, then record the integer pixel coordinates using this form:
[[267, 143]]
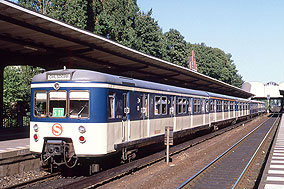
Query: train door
[[144, 123], [207, 117], [125, 118], [172, 112]]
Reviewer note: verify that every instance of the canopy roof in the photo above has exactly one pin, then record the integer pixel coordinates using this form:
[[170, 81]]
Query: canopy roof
[[30, 38]]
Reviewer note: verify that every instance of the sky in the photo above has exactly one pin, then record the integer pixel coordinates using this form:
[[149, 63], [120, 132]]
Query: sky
[[251, 30]]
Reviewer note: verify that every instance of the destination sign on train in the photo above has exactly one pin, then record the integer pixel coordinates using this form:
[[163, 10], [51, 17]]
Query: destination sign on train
[[62, 77]]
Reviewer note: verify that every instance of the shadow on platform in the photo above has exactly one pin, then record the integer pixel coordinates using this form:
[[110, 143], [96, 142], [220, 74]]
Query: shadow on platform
[[14, 133]]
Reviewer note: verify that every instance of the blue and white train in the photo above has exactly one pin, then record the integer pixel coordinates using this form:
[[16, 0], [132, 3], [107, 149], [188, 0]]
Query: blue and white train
[[80, 115]]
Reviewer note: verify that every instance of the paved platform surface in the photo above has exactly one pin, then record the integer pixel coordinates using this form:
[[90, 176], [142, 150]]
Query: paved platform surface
[[14, 142], [273, 176], [17, 144]]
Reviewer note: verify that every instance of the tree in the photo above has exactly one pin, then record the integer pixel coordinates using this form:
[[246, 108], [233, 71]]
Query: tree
[[149, 36], [116, 20], [16, 85], [70, 12], [176, 48], [215, 63], [121, 21]]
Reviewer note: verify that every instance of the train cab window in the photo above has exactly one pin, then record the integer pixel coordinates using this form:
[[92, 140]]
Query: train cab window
[[79, 104], [57, 104], [40, 101], [111, 104]]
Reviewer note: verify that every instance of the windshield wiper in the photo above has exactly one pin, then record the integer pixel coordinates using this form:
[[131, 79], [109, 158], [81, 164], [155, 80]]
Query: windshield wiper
[[79, 113]]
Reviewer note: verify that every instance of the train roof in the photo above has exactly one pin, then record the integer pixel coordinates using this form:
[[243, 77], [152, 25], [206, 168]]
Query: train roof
[[93, 76]]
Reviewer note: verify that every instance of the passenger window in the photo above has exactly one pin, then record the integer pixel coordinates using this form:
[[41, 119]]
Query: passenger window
[[157, 105], [189, 105], [207, 105], [212, 105], [184, 105], [225, 106], [164, 105], [79, 104], [179, 105], [196, 106], [111, 104], [219, 106], [144, 104], [40, 102], [57, 104]]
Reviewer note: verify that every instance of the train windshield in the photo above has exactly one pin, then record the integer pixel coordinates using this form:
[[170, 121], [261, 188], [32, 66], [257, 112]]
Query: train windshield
[[79, 104], [57, 104], [40, 104]]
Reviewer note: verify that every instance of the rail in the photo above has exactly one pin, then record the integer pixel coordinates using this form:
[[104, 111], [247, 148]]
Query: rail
[[222, 155]]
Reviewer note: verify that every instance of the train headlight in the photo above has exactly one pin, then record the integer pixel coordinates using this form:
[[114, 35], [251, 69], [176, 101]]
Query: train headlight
[[82, 129], [36, 137], [82, 139], [36, 128]]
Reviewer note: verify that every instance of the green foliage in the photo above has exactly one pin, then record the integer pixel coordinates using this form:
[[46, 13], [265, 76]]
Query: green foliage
[[16, 85], [149, 36], [176, 50], [216, 63], [122, 21], [115, 20]]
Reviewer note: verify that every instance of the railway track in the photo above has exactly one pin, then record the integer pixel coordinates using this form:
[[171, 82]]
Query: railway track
[[118, 172], [228, 169], [55, 181], [34, 181]]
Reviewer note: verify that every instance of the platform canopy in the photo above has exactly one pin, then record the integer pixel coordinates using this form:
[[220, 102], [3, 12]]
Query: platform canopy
[[30, 38]]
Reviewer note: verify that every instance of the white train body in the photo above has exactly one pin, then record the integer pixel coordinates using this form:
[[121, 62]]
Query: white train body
[[86, 114]]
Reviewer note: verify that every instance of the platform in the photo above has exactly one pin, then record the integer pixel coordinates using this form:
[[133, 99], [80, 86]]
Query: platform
[[10, 148], [273, 176]]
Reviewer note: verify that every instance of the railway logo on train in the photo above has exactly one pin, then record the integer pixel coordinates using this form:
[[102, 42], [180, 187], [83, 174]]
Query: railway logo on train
[[57, 129]]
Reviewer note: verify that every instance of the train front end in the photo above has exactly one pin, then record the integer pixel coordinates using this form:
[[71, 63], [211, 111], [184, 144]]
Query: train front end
[[63, 131]]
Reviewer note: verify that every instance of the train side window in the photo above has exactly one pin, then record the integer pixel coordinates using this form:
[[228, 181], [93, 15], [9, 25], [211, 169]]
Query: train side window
[[196, 106], [164, 105], [111, 105], [207, 106], [219, 105], [189, 105], [157, 105], [79, 104], [184, 105], [144, 104], [232, 105], [40, 102], [212, 106], [179, 105], [57, 104], [225, 106]]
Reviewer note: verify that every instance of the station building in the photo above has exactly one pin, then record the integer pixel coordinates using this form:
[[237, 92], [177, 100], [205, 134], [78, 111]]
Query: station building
[[270, 92]]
